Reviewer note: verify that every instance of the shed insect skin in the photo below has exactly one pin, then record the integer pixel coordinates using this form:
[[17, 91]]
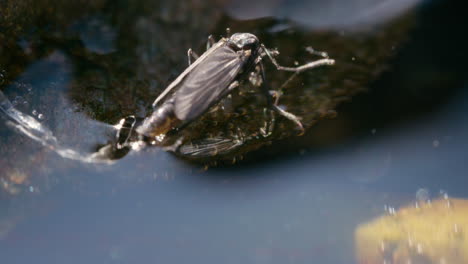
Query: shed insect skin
[[211, 77]]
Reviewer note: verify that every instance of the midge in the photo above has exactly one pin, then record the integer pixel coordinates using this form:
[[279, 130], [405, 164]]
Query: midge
[[211, 77]]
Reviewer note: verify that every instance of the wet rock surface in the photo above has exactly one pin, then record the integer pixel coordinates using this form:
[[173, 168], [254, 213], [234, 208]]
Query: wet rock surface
[[136, 53]]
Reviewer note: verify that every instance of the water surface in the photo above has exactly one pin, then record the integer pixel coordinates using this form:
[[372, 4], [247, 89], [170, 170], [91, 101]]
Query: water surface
[[295, 201]]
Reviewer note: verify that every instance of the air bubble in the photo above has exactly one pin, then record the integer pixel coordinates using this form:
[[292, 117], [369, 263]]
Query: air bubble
[[422, 196], [40, 117], [444, 194], [419, 249], [34, 112]]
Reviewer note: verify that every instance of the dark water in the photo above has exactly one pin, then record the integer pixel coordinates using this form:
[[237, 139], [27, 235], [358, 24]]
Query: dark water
[[297, 200]]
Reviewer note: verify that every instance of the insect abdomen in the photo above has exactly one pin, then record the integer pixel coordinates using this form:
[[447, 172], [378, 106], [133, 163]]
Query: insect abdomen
[[160, 122]]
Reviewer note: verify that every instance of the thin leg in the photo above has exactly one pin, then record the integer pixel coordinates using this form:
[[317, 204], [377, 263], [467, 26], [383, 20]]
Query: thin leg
[[125, 131], [291, 117], [274, 105], [233, 85], [296, 70], [175, 147], [269, 126], [191, 54], [301, 68], [210, 42], [280, 90], [264, 86], [276, 94]]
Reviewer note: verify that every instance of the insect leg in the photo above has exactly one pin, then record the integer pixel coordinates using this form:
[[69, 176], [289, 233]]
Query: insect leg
[[278, 93], [233, 85], [125, 131], [274, 105], [291, 117], [191, 54], [298, 69], [210, 42], [269, 126], [264, 87]]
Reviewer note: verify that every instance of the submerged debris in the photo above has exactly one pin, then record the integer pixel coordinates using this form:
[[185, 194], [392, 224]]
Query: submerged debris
[[429, 233]]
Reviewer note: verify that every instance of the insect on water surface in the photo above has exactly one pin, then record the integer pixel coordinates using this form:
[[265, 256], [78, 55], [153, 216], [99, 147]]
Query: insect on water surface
[[211, 77]]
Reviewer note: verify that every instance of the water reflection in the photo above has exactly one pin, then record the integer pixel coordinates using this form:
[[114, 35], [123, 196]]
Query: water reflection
[[282, 213], [52, 126], [335, 14]]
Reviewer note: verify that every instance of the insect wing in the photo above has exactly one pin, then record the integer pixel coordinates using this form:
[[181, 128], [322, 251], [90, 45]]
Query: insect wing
[[207, 83], [184, 74], [209, 147]]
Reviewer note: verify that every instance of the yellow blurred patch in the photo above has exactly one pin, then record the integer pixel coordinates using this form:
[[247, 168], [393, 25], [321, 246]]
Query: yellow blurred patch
[[428, 233]]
